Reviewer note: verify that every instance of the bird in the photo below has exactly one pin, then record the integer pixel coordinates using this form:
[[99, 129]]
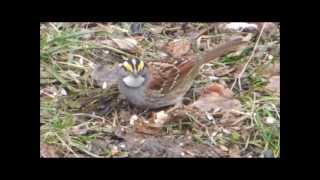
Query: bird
[[159, 83]]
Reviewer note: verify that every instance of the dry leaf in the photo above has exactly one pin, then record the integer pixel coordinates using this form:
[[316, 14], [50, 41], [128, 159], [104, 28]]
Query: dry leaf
[[218, 89], [114, 150], [48, 151], [216, 96], [234, 152], [269, 29], [274, 84], [157, 29], [146, 127], [160, 118], [79, 129], [128, 44], [109, 43], [133, 119], [178, 47], [271, 70], [222, 71], [153, 125], [223, 148]]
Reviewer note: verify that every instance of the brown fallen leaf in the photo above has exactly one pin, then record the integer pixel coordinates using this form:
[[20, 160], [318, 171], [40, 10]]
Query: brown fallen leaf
[[48, 151], [114, 150], [128, 44], [160, 118], [274, 84], [217, 89], [216, 96], [80, 129], [152, 125], [157, 29], [144, 126], [270, 29], [178, 47], [271, 70], [223, 148], [109, 42], [234, 152], [222, 71]]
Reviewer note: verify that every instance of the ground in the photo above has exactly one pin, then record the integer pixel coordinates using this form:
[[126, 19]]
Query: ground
[[231, 110]]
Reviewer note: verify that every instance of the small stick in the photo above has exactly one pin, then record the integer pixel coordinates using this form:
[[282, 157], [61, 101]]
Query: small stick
[[117, 51], [250, 58], [54, 27], [87, 152], [90, 115], [66, 145], [275, 108], [196, 36]]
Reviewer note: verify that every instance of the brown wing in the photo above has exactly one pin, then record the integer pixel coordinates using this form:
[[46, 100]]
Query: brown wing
[[166, 75]]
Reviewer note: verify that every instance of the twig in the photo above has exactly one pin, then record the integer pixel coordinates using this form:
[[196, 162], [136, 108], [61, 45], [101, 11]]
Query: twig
[[115, 119], [79, 56], [196, 120], [196, 36], [239, 112], [66, 145], [250, 58], [87, 152], [116, 50], [240, 119], [73, 65], [253, 117], [275, 108], [54, 27], [247, 143], [91, 115]]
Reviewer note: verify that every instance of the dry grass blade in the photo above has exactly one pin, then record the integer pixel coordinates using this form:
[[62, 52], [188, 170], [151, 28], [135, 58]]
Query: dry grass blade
[[249, 60], [66, 145]]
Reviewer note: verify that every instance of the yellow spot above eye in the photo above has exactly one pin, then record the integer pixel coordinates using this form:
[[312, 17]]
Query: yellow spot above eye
[[140, 66], [128, 66]]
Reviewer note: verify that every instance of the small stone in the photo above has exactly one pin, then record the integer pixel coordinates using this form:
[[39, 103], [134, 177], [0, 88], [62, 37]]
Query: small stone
[[133, 119], [268, 154], [223, 148], [81, 60], [63, 92], [122, 146], [114, 150], [226, 131], [270, 120], [104, 85]]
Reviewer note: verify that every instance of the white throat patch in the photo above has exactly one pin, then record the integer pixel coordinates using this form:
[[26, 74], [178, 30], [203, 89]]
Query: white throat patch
[[132, 81]]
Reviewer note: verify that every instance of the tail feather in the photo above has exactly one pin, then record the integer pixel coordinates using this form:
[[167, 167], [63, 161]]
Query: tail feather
[[223, 49]]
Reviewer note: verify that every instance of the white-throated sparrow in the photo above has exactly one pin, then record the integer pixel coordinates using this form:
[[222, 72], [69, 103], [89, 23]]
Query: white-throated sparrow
[[158, 83]]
